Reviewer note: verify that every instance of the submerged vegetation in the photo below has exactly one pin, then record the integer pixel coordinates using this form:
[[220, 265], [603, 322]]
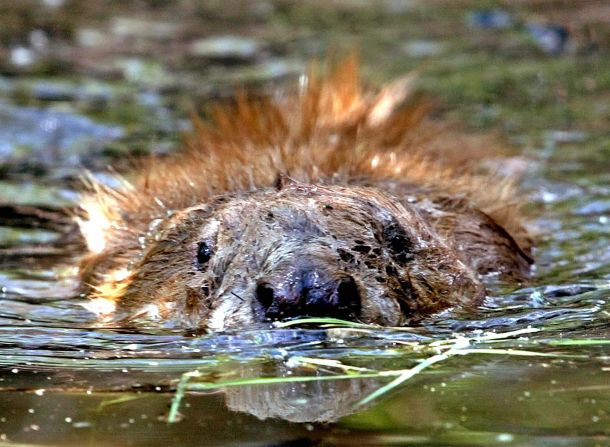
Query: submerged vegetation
[[423, 353]]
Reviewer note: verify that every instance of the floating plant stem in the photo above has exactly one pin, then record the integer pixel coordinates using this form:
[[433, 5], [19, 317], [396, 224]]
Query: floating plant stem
[[324, 321], [406, 375], [173, 411], [579, 342], [444, 349]]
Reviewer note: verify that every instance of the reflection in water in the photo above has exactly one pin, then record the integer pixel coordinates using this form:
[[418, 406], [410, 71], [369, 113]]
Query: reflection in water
[[317, 401]]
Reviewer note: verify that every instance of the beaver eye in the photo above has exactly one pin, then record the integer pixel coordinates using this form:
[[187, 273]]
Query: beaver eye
[[398, 242], [204, 253]]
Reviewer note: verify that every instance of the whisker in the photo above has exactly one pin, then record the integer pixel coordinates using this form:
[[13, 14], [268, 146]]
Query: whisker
[[237, 296]]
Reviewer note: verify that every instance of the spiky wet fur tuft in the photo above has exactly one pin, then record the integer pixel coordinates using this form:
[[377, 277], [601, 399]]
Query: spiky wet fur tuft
[[332, 130]]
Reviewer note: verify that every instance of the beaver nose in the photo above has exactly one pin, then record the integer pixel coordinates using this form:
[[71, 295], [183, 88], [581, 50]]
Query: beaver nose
[[308, 296]]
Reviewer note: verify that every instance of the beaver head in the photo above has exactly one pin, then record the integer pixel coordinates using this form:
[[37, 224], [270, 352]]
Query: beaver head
[[297, 250]]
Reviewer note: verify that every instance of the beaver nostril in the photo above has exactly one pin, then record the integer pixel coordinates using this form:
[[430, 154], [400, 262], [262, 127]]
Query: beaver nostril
[[314, 295], [348, 295], [265, 295]]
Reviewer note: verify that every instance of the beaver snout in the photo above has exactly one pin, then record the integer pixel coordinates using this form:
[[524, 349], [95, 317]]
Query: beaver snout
[[309, 293]]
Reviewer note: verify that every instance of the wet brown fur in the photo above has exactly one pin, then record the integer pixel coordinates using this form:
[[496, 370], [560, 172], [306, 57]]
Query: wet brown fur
[[330, 138]]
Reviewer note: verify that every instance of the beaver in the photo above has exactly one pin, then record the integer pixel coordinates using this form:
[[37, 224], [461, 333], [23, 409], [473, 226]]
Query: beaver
[[329, 200]]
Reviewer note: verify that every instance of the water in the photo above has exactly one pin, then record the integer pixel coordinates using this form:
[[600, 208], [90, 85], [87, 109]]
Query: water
[[66, 380]]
